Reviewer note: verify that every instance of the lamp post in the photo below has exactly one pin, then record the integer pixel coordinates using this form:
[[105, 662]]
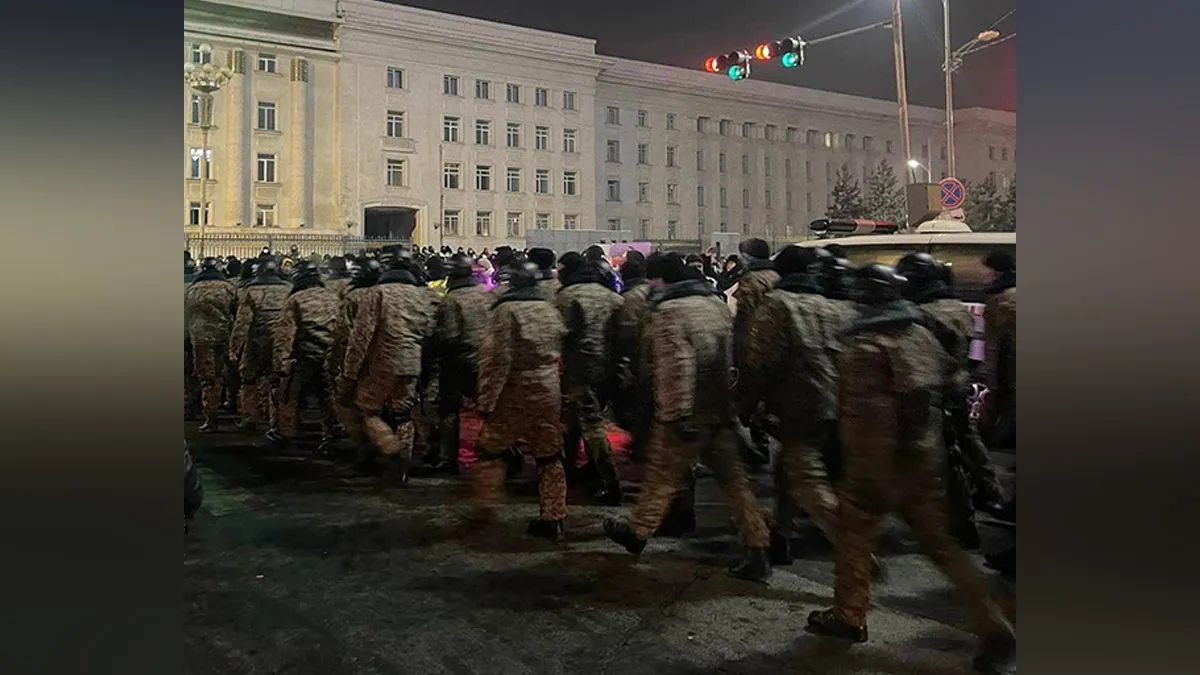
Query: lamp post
[[951, 64], [901, 78], [912, 169], [205, 79]]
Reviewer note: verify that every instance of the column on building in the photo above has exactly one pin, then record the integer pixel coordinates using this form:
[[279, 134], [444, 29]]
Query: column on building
[[235, 186], [300, 184]]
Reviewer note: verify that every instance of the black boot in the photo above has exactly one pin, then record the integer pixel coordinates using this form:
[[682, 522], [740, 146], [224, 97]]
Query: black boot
[[278, 440], [395, 472], [209, 426], [608, 491], [364, 460], [516, 464], [621, 533], [997, 655], [756, 566], [781, 550], [826, 623], [547, 529]]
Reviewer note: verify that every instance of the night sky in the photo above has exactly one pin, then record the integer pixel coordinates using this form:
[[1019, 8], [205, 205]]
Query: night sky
[[682, 33]]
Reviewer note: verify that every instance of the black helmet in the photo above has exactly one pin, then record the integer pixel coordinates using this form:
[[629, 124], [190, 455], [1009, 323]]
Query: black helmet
[[233, 268], [306, 270], [796, 259], [755, 248], [877, 284], [836, 278], [435, 268], [210, 263], [542, 257], [919, 268], [267, 267], [523, 275], [674, 268], [460, 267], [367, 268], [946, 273], [1001, 261]]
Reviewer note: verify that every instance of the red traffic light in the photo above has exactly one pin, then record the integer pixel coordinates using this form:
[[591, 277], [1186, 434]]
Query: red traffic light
[[711, 64]]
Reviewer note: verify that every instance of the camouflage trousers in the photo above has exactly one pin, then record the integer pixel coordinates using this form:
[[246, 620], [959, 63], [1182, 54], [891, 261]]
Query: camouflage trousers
[[379, 411], [256, 394], [671, 452], [209, 371], [802, 482], [917, 494], [584, 418], [306, 378], [960, 431], [542, 435]]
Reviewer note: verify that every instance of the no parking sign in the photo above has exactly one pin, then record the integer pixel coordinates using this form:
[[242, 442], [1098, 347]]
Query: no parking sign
[[953, 193]]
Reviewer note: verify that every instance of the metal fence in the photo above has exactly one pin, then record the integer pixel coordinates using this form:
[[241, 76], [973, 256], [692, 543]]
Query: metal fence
[[248, 245]]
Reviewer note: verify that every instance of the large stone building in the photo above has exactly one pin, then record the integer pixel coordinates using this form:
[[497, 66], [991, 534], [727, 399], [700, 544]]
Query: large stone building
[[355, 119]]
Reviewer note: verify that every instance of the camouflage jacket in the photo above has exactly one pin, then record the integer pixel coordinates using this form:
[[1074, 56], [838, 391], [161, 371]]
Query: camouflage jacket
[[1000, 341], [690, 339], [589, 311], [347, 310], [549, 287], [459, 324], [208, 307], [339, 285], [752, 287], [305, 329], [790, 351], [257, 312], [631, 319], [393, 321], [951, 323], [518, 360]]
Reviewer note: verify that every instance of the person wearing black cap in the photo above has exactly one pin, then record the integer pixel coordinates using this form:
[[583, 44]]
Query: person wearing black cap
[[752, 287], [253, 340], [520, 399], [547, 283], [208, 306], [1000, 350], [233, 267], [891, 374], [689, 337]]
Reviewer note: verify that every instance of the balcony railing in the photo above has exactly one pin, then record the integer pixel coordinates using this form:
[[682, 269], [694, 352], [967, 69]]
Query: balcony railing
[[250, 244]]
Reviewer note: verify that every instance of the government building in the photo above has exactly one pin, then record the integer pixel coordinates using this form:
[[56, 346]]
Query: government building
[[355, 122]]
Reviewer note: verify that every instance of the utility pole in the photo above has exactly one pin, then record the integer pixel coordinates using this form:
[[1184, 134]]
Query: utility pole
[[949, 91], [901, 85]]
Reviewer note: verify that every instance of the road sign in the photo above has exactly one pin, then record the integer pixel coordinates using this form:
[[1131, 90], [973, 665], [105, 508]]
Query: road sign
[[953, 193]]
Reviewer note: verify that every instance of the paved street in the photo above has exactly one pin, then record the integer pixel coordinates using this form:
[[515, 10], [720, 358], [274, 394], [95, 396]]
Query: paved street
[[300, 566]]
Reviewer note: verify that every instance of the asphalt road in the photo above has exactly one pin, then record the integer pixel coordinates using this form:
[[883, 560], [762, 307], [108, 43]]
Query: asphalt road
[[297, 565]]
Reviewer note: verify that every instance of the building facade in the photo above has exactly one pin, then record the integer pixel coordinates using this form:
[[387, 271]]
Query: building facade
[[361, 120]]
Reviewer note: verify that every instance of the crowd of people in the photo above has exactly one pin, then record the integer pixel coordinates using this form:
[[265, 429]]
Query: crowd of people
[[859, 374]]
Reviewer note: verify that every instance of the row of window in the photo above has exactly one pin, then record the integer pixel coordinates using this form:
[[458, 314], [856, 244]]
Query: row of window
[[452, 225], [513, 93], [265, 164], [266, 63], [452, 133], [644, 195], [452, 179], [264, 214]]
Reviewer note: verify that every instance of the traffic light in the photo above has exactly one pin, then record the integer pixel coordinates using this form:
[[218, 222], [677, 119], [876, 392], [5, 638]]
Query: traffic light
[[734, 64], [789, 51]]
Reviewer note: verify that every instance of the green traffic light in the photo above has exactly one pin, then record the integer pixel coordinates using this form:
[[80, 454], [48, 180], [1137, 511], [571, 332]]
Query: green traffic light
[[790, 60], [735, 73]]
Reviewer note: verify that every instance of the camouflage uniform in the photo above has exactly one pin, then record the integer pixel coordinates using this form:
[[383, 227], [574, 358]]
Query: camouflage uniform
[[382, 367], [426, 423], [1000, 363], [208, 307], [339, 285], [253, 344], [690, 336], [343, 407], [457, 335], [788, 365], [632, 401], [752, 288], [589, 312], [891, 375], [549, 286], [304, 338], [519, 396]]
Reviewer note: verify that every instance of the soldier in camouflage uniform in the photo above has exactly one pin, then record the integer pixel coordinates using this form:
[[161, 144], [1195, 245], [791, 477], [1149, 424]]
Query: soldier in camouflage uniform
[[519, 398], [1000, 349], [690, 336], [363, 275], [339, 276], [589, 309], [382, 368], [303, 340], [547, 283], [631, 401], [752, 288], [253, 342], [457, 335], [892, 373], [209, 303]]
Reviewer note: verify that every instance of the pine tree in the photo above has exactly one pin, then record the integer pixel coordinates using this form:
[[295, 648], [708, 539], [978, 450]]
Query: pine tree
[[845, 201], [983, 205], [885, 197], [1007, 221]]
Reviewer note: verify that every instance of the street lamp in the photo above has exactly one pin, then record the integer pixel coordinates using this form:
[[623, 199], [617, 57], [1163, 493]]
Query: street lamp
[[205, 79], [912, 167], [953, 60]]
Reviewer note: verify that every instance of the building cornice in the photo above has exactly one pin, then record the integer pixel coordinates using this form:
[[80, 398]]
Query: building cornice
[[325, 48]]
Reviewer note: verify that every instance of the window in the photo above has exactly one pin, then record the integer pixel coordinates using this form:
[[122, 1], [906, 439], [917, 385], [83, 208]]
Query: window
[[643, 228], [767, 199], [450, 85], [395, 124], [925, 150], [450, 222], [699, 195], [483, 178], [723, 127], [721, 162], [828, 172], [701, 124], [769, 132], [812, 137], [614, 190], [266, 168], [512, 135], [889, 148], [195, 109], [514, 223], [570, 183], [793, 134], [724, 226], [867, 142], [483, 89], [395, 78], [671, 121], [724, 198], [848, 142], [1003, 154], [199, 55], [643, 153], [483, 223], [746, 164], [568, 140], [670, 155], [789, 199], [745, 228], [483, 132], [194, 214], [614, 224], [266, 63], [747, 129], [541, 98], [450, 129], [672, 228], [542, 221], [787, 167], [699, 160], [452, 176], [613, 151], [541, 137], [829, 139], [807, 170], [568, 100], [643, 192], [745, 198], [266, 116], [512, 179], [541, 182], [766, 166], [264, 215], [643, 118], [570, 221], [672, 193], [991, 152], [808, 201], [612, 115], [943, 153], [194, 165], [395, 172], [512, 93]]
